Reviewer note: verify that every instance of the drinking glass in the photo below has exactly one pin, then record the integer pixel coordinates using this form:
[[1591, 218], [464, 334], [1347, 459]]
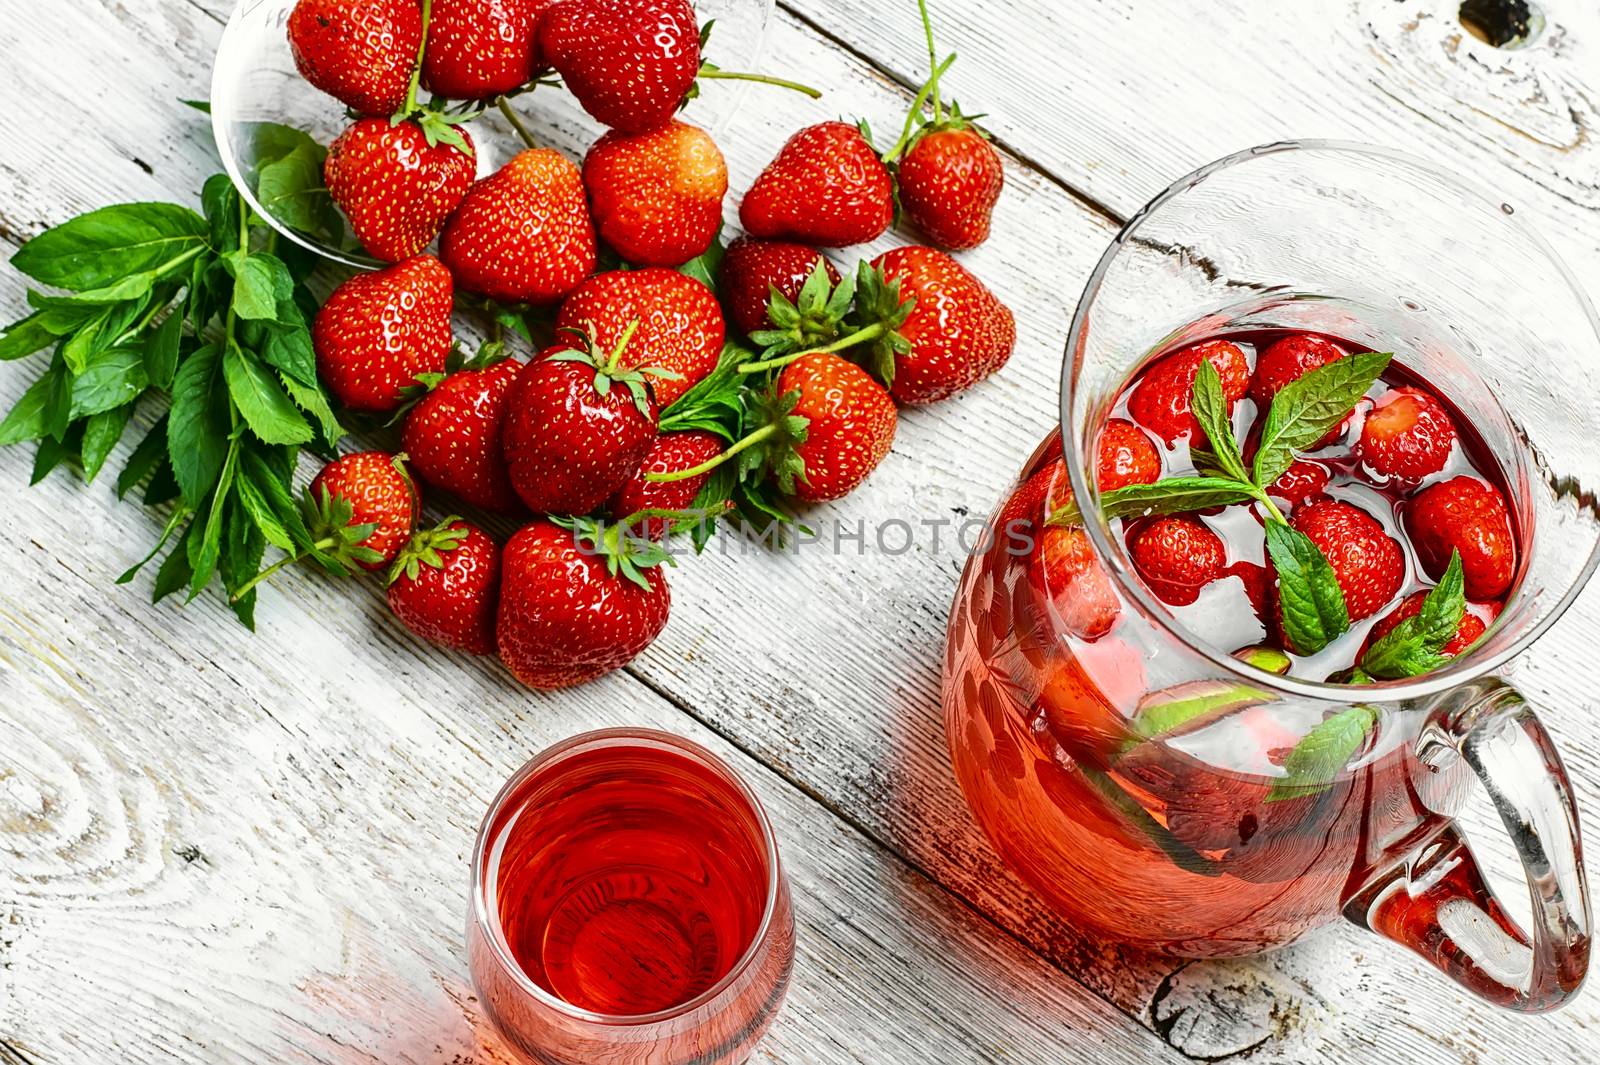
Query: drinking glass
[[629, 907], [1374, 247], [256, 92]]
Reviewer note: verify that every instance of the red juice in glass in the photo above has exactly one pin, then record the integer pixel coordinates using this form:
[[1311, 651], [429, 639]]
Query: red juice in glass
[[629, 906]]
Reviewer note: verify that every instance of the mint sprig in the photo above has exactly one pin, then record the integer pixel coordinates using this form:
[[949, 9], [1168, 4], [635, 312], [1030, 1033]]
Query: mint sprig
[[1416, 645]]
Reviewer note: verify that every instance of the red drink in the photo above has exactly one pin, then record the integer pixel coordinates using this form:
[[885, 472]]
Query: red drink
[[1147, 795], [630, 898]]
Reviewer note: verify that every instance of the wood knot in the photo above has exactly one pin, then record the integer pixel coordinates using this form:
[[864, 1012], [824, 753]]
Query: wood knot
[[1502, 23]]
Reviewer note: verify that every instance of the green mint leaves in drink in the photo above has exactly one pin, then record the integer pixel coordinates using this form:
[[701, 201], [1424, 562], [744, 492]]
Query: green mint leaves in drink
[[1416, 645]]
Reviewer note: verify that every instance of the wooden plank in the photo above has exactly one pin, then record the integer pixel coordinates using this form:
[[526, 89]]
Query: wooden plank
[[1121, 97], [757, 648]]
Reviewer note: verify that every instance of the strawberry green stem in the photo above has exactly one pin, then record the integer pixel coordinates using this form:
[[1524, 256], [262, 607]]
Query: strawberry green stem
[[916, 111], [763, 433], [622, 345], [287, 560], [410, 106], [516, 121], [933, 60], [764, 79], [860, 336]]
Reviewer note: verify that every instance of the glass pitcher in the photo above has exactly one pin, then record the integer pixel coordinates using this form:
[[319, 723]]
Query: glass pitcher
[[1174, 840]]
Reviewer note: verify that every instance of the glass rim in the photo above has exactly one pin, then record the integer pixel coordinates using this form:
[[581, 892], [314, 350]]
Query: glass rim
[[1458, 671], [488, 922]]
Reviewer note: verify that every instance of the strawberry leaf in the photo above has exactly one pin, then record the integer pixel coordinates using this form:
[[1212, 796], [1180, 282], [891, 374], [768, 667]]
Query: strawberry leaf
[[1316, 760], [1314, 611], [1310, 407]]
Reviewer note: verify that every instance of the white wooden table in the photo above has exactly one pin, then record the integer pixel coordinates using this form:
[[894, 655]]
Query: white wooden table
[[223, 848]]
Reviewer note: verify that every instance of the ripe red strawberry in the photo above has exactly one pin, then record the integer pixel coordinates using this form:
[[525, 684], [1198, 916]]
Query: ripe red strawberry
[[1257, 582], [445, 587], [1467, 515], [941, 330], [359, 53], [950, 180], [523, 234], [379, 493], [453, 437], [398, 183], [482, 48], [377, 332], [1126, 457], [577, 426], [1288, 360], [827, 187], [1466, 635], [1303, 480], [752, 269], [1407, 435], [671, 453], [1066, 575], [630, 63], [1021, 519], [676, 324], [566, 617], [1176, 557], [1368, 563], [851, 425], [657, 196], [1160, 401]]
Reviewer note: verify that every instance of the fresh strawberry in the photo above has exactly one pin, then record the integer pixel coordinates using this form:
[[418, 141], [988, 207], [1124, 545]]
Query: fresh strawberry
[[379, 494], [939, 330], [1176, 557], [360, 52], [827, 187], [377, 332], [523, 235], [851, 425], [1021, 519], [482, 48], [577, 426], [754, 270], [397, 183], [1303, 480], [1160, 401], [1257, 582], [445, 587], [676, 324], [1467, 515], [1367, 562], [1472, 626], [1126, 457], [657, 196], [1066, 575], [1080, 714], [570, 613], [630, 63], [671, 453], [1289, 359], [950, 179], [453, 437], [1407, 435]]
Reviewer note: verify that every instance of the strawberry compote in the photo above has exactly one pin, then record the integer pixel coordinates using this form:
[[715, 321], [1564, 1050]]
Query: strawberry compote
[[1151, 796]]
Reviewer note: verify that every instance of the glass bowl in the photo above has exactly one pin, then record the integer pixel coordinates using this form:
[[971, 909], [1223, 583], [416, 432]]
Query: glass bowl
[[256, 92]]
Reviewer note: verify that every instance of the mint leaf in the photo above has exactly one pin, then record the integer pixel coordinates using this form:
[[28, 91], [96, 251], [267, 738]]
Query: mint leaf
[[1191, 705], [102, 247], [1210, 408], [198, 424], [1321, 753], [266, 407], [161, 350], [1314, 611], [1415, 646], [100, 434], [1308, 408], [26, 420], [145, 458], [256, 285], [24, 338], [312, 400], [1173, 495], [290, 188], [111, 379]]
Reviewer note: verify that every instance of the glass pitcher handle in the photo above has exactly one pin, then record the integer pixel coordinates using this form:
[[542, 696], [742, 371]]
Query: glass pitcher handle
[[1438, 904]]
